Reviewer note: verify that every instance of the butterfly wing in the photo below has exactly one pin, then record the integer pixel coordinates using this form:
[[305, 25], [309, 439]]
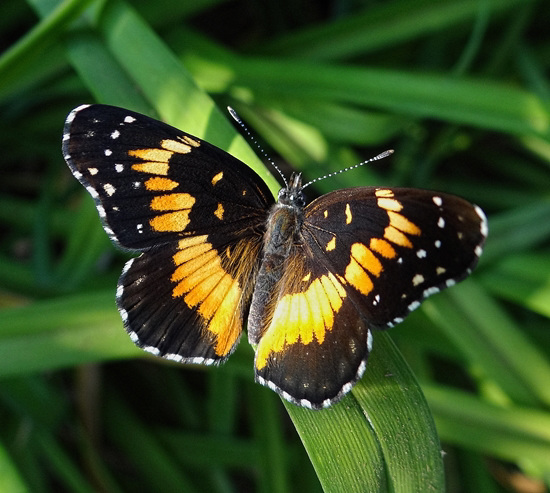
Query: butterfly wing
[[395, 247], [191, 209], [366, 257], [312, 345]]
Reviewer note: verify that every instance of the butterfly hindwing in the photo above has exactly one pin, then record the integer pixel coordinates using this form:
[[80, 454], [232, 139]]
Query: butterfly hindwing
[[186, 302], [191, 208], [312, 341]]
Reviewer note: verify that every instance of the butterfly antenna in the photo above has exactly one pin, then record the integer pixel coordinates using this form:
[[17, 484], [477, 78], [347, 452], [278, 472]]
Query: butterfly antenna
[[375, 158], [237, 118]]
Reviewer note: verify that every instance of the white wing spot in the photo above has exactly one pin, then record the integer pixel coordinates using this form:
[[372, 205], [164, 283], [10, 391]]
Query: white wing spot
[[92, 192], [108, 152], [129, 119], [109, 189], [93, 171], [481, 214], [73, 113], [417, 279], [152, 349], [441, 222], [421, 253], [369, 347], [119, 168], [437, 243], [174, 357], [437, 200], [115, 134], [413, 306], [430, 291]]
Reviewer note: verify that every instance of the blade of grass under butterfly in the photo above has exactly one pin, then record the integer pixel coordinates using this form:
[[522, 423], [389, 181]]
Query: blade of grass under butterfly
[[381, 437]]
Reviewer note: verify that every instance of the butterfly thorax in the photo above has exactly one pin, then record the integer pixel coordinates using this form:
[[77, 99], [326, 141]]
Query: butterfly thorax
[[284, 220], [282, 234]]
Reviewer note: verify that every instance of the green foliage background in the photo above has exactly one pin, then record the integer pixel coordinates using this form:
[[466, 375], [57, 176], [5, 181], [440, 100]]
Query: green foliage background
[[460, 90]]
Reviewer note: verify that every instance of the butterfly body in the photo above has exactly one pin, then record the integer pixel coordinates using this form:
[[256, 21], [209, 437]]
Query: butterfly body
[[215, 248]]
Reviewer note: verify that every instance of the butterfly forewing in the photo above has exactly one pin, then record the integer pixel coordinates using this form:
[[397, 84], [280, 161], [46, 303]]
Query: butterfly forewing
[[392, 248], [153, 183]]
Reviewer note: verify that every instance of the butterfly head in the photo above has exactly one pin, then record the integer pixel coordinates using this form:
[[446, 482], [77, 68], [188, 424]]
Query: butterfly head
[[292, 195]]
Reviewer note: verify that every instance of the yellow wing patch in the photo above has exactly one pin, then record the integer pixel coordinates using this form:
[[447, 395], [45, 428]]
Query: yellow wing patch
[[156, 159], [173, 221], [219, 212], [156, 183], [401, 223], [366, 261], [172, 202], [395, 236], [177, 221], [382, 247], [211, 283], [205, 285], [217, 178], [182, 146], [152, 154], [358, 278], [349, 216], [151, 167], [302, 317]]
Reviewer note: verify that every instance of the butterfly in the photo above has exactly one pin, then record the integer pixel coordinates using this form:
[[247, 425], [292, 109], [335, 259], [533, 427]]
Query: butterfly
[[215, 250]]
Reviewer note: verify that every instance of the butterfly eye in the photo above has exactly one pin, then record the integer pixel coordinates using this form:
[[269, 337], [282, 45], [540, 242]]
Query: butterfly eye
[[283, 195], [298, 199]]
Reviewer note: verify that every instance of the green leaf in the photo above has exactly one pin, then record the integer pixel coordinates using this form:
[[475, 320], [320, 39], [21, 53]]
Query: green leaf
[[511, 433], [381, 437]]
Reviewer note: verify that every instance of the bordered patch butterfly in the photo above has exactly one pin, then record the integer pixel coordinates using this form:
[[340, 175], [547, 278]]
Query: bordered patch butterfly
[[313, 280]]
